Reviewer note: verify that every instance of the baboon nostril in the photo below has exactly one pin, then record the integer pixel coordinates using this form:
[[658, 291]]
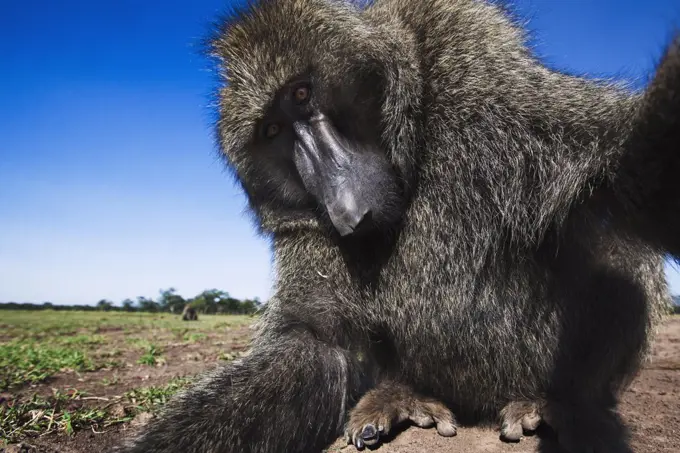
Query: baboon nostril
[[346, 217]]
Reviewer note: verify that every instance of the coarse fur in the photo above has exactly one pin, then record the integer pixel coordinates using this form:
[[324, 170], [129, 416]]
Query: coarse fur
[[518, 260], [189, 313]]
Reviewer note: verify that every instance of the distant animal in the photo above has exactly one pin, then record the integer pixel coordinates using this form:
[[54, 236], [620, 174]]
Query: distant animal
[[460, 234], [189, 313]]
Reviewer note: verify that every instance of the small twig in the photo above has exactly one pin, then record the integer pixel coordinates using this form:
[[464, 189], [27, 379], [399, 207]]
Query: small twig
[[97, 432]]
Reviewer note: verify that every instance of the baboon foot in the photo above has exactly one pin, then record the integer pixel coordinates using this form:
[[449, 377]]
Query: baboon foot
[[518, 418], [587, 428], [389, 405]]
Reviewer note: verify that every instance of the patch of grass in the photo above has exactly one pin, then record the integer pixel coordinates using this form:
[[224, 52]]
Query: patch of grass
[[62, 412], [58, 324], [233, 321], [65, 412], [26, 361], [82, 340], [194, 337], [151, 355], [115, 352], [150, 399], [113, 381], [35, 345], [137, 342]]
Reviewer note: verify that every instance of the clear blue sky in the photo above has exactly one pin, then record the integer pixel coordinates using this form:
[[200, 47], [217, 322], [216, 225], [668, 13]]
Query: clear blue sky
[[109, 185]]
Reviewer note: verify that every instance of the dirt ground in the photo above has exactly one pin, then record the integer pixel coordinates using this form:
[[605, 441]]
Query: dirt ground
[[651, 407]]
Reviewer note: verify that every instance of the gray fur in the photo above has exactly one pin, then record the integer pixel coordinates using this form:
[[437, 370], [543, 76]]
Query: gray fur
[[527, 265]]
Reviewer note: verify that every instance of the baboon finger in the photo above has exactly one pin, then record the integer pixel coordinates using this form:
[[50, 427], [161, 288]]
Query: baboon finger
[[446, 428], [511, 431], [518, 416], [354, 438], [531, 421], [370, 435], [443, 417]]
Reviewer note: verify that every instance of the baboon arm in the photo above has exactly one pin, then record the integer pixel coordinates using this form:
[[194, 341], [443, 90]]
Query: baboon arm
[[288, 395], [647, 182]]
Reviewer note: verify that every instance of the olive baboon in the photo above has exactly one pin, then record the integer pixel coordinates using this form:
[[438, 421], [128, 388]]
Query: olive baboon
[[461, 234], [189, 313]]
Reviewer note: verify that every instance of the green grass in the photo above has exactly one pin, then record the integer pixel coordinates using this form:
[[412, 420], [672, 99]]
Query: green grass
[[193, 337], [150, 399], [65, 412], [51, 323], [151, 355], [46, 415], [26, 361], [35, 345]]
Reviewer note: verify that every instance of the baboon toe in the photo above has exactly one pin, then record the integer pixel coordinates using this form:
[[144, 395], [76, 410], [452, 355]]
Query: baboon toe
[[531, 421], [511, 432], [435, 413], [370, 435], [367, 435], [367, 431], [447, 429], [519, 417]]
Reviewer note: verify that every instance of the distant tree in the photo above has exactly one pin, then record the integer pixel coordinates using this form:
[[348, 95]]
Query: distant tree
[[128, 305], [147, 305], [104, 305], [211, 301], [233, 306], [199, 304], [170, 301], [208, 301], [248, 307]]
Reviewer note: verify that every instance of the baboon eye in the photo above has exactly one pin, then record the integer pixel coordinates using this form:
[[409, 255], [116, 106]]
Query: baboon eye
[[301, 94], [272, 130]]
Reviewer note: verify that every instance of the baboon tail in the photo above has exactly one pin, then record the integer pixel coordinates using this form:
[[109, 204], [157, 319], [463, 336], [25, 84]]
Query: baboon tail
[[288, 395]]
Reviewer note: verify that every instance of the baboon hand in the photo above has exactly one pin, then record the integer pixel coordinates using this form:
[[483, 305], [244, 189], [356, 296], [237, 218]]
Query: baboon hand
[[390, 404]]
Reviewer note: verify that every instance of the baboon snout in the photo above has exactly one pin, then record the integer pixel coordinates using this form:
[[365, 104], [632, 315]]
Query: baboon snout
[[346, 213], [336, 172]]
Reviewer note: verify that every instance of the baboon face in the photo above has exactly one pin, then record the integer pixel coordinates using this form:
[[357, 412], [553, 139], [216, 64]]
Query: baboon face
[[301, 122], [327, 139]]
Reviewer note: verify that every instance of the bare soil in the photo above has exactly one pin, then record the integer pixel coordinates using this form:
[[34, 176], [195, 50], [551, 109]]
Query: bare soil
[[651, 406]]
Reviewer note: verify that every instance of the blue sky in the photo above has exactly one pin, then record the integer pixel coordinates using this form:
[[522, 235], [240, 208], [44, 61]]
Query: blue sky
[[109, 184]]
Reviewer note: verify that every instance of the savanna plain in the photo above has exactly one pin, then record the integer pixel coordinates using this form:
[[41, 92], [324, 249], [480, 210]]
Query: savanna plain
[[76, 382]]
